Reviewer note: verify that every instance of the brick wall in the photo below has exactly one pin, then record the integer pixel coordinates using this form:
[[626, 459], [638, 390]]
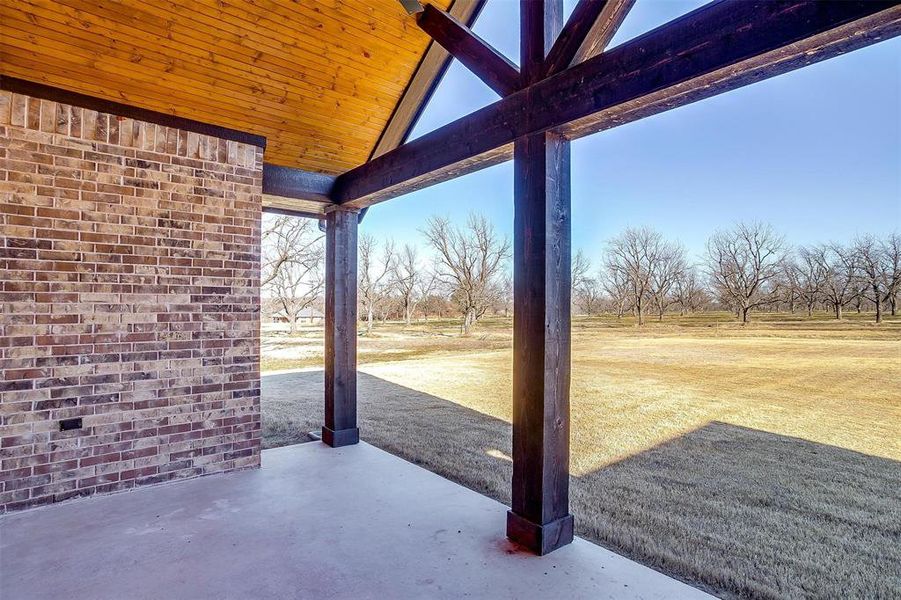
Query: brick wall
[[129, 297]]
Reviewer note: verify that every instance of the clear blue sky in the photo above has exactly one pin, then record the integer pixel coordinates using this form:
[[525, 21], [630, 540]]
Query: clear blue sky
[[816, 152]]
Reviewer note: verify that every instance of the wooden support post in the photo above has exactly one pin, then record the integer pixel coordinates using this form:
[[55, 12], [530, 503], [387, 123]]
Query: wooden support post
[[341, 329], [540, 519]]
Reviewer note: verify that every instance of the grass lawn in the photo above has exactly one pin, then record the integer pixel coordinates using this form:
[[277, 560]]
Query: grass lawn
[[757, 461]]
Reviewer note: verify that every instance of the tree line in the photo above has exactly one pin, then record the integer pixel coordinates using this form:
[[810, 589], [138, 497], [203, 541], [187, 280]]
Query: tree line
[[464, 272], [748, 267]]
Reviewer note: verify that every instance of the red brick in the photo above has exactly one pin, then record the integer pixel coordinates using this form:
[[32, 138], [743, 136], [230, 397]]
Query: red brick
[[95, 241]]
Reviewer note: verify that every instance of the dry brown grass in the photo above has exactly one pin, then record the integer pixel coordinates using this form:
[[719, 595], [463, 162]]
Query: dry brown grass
[[758, 461]]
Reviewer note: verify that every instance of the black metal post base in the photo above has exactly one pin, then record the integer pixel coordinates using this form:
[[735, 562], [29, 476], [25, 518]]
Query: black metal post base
[[342, 437], [540, 539]]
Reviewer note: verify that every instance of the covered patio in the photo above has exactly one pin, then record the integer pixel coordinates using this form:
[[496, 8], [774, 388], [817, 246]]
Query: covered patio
[[312, 522], [141, 143]]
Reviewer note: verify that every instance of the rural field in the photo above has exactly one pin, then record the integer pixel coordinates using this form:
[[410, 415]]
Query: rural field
[[753, 461]]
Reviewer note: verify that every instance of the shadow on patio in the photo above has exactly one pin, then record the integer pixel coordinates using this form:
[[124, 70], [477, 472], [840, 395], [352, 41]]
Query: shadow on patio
[[739, 511]]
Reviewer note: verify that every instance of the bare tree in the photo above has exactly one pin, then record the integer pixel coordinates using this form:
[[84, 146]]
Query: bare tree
[[837, 264], [435, 304], [287, 240], [590, 296], [616, 284], [858, 297], [878, 269], [744, 263], [891, 273], [587, 292], [297, 286], [292, 257], [375, 270], [809, 277], [505, 293], [646, 263], [627, 262], [689, 291], [668, 268], [787, 285], [405, 279], [869, 266], [580, 268], [470, 259], [426, 286]]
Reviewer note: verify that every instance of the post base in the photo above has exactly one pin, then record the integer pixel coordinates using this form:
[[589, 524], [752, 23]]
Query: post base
[[540, 539], [342, 437]]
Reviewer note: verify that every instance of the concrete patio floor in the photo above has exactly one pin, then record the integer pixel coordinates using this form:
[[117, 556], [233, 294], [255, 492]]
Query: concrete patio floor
[[313, 522]]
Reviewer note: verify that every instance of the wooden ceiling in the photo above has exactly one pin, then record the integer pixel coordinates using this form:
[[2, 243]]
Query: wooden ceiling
[[319, 79]]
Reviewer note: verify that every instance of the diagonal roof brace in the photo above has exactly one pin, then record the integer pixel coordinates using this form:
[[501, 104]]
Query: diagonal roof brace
[[489, 65], [590, 27]]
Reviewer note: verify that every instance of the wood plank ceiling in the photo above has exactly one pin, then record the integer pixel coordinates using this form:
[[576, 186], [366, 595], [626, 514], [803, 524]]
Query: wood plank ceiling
[[318, 78]]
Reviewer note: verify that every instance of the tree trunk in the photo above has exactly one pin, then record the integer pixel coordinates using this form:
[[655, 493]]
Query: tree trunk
[[838, 310], [368, 319], [745, 311], [893, 302], [468, 320]]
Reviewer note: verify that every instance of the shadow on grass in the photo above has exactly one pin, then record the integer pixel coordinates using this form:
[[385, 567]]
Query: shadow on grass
[[738, 511]]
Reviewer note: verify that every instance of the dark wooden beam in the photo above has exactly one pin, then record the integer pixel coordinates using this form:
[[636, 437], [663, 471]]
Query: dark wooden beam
[[422, 86], [289, 182], [341, 329], [293, 205], [474, 53], [716, 48], [55, 94], [539, 518], [590, 27], [287, 212]]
